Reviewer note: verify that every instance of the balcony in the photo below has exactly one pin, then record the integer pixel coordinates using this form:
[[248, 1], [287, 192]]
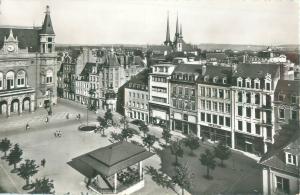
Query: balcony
[[266, 123]]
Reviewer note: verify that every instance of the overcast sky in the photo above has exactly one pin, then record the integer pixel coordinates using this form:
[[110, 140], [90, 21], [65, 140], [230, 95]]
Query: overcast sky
[[268, 22]]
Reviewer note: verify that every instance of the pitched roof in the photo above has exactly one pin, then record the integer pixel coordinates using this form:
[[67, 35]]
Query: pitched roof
[[87, 69], [110, 159], [256, 70], [215, 71], [141, 78], [276, 158], [47, 27], [188, 68], [27, 37], [216, 55], [288, 87]]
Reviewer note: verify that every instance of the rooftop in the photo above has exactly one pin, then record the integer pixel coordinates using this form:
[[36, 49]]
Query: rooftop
[[256, 70], [288, 87]]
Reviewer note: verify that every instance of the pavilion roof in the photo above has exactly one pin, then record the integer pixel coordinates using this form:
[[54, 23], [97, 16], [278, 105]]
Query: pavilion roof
[[110, 159]]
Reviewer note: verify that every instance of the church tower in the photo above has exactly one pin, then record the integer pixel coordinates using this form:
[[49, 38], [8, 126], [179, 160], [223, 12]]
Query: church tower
[[179, 40], [168, 40], [47, 35], [176, 33]]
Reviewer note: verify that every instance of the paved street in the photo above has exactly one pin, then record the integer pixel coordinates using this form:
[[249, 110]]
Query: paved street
[[39, 142]]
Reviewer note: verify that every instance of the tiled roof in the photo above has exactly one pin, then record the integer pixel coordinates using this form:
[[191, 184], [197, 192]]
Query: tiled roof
[[276, 158], [188, 68], [212, 72], [110, 159], [256, 70], [288, 87], [86, 70], [140, 79], [27, 37], [47, 27]]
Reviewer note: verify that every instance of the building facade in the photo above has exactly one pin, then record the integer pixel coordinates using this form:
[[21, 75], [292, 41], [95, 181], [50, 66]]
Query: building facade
[[28, 64]]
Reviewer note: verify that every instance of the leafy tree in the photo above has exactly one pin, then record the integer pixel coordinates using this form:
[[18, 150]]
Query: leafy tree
[[182, 178], [43, 186], [144, 128], [222, 152], [158, 177], [5, 144], [103, 125], [176, 149], [208, 159], [108, 117], [14, 156], [27, 170], [128, 133], [192, 142], [116, 137], [166, 135], [124, 121], [149, 140]]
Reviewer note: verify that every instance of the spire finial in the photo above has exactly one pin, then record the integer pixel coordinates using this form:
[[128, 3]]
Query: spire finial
[[180, 30], [168, 40], [177, 33], [47, 9]]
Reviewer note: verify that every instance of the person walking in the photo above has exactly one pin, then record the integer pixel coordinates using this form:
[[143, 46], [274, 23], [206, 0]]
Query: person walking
[[27, 126], [47, 120], [43, 162], [67, 116]]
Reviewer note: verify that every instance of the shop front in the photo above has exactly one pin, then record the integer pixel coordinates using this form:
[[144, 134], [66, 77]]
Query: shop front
[[249, 144], [215, 134], [159, 116]]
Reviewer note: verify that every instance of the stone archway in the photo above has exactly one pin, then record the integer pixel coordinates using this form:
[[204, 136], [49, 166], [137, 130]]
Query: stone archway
[[14, 106], [3, 108], [26, 104]]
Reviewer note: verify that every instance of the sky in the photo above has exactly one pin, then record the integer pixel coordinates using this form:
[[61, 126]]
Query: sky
[[267, 22]]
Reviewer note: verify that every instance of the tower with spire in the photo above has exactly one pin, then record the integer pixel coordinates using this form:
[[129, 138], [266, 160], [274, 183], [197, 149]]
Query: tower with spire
[[168, 41], [176, 32], [47, 35]]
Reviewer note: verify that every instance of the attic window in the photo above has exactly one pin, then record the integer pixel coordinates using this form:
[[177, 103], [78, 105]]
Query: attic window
[[225, 80], [215, 79], [291, 159], [206, 78]]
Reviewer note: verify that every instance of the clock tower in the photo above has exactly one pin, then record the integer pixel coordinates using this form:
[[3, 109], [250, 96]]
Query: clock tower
[[10, 44]]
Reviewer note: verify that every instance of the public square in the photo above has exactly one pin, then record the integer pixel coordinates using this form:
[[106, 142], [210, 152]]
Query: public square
[[39, 142]]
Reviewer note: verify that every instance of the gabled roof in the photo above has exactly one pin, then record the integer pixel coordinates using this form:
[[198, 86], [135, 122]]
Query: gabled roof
[[276, 158], [256, 70], [86, 70], [110, 159], [288, 87], [141, 78], [27, 37]]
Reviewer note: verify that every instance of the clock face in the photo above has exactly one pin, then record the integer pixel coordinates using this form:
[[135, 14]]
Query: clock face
[[10, 48]]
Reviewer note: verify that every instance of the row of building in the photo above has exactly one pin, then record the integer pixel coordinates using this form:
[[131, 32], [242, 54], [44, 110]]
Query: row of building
[[243, 105]]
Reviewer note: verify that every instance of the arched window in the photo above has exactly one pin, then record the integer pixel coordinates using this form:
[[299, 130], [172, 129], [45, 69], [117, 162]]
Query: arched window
[[49, 76], [1, 80], [10, 80], [21, 78]]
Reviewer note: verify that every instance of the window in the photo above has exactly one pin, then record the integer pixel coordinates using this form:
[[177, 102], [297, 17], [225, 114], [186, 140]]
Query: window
[[203, 104], [240, 110], [240, 97], [248, 112], [268, 86], [215, 106], [221, 107], [193, 106], [257, 129], [248, 84], [215, 119], [256, 85], [257, 98], [208, 116], [138, 95], [208, 105], [281, 113], [208, 94], [180, 104], [174, 90], [228, 108], [202, 91], [143, 96], [240, 125], [294, 99], [215, 93], [240, 83], [180, 90], [227, 122], [257, 113], [227, 94], [186, 91], [221, 120], [49, 76], [133, 94], [221, 93], [175, 103], [21, 78], [269, 133], [248, 98], [159, 99], [192, 92], [280, 97], [159, 79], [291, 159], [1, 80], [159, 89], [282, 185], [294, 115], [133, 104], [202, 116], [249, 127]]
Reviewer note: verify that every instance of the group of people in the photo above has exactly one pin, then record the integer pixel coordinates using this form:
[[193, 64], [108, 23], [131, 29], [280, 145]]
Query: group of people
[[78, 116], [57, 133]]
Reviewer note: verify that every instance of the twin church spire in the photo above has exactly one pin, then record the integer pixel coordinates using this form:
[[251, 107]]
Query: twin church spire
[[178, 33]]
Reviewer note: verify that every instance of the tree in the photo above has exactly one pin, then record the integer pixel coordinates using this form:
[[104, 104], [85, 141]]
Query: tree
[[128, 133], [166, 135], [5, 144], [192, 142], [208, 159], [116, 137], [144, 128], [222, 152], [124, 121], [176, 149], [158, 177], [103, 125], [89, 105], [27, 170], [182, 178], [149, 140], [14, 156], [43, 186]]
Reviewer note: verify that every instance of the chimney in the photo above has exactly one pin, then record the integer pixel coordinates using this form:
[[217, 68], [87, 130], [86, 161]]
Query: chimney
[[203, 70]]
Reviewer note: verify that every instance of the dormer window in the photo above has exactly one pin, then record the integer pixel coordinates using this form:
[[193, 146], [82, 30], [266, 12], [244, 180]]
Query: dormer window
[[280, 97], [215, 80], [257, 83], [206, 78], [291, 159], [239, 82], [268, 86], [225, 80], [248, 83]]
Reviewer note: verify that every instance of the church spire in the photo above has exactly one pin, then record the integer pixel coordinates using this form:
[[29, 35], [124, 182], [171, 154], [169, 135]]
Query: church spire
[[177, 32], [168, 40], [47, 27], [180, 32]]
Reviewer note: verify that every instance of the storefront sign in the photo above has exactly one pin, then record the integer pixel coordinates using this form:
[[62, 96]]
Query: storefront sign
[[214, 126]]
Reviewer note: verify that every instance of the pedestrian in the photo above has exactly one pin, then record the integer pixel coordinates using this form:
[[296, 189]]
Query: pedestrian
[[67, 116], [78, 116], [43, 162], [27, 126], [47, 120]]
